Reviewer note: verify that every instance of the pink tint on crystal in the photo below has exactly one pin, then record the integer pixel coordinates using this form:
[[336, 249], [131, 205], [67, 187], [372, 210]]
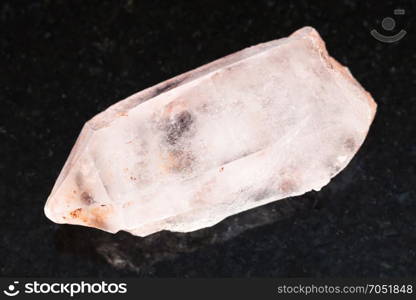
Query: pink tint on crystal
[[271, 121]]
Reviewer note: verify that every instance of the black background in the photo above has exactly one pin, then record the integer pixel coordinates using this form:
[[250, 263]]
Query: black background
[[61, 62]]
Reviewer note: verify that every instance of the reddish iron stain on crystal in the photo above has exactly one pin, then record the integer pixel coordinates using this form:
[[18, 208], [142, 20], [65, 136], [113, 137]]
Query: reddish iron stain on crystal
[[75, 213]]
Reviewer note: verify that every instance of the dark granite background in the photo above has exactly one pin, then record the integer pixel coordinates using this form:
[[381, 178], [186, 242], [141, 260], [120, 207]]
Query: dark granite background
[[61, 62]]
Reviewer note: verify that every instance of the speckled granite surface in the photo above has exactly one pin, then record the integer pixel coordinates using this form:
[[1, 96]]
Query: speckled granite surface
[[64, 61]]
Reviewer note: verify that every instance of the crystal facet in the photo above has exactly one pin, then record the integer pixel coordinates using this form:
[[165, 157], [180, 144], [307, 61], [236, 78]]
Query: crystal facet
[[271, 121]]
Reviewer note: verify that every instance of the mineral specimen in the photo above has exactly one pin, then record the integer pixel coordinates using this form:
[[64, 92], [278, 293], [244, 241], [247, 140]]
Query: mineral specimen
[[268, 122]]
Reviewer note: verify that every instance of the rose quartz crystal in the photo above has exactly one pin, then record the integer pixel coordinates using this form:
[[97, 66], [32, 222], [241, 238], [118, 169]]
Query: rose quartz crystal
[[271, 121]]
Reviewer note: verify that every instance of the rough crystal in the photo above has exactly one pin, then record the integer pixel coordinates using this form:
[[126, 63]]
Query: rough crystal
[[271, 121]]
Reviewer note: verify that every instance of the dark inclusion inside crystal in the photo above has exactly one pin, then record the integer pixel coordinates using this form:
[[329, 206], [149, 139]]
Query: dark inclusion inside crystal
[[177, 127]]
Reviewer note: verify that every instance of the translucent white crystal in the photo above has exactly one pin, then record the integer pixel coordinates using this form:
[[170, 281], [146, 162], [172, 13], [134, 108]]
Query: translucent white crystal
[[271, 121]]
